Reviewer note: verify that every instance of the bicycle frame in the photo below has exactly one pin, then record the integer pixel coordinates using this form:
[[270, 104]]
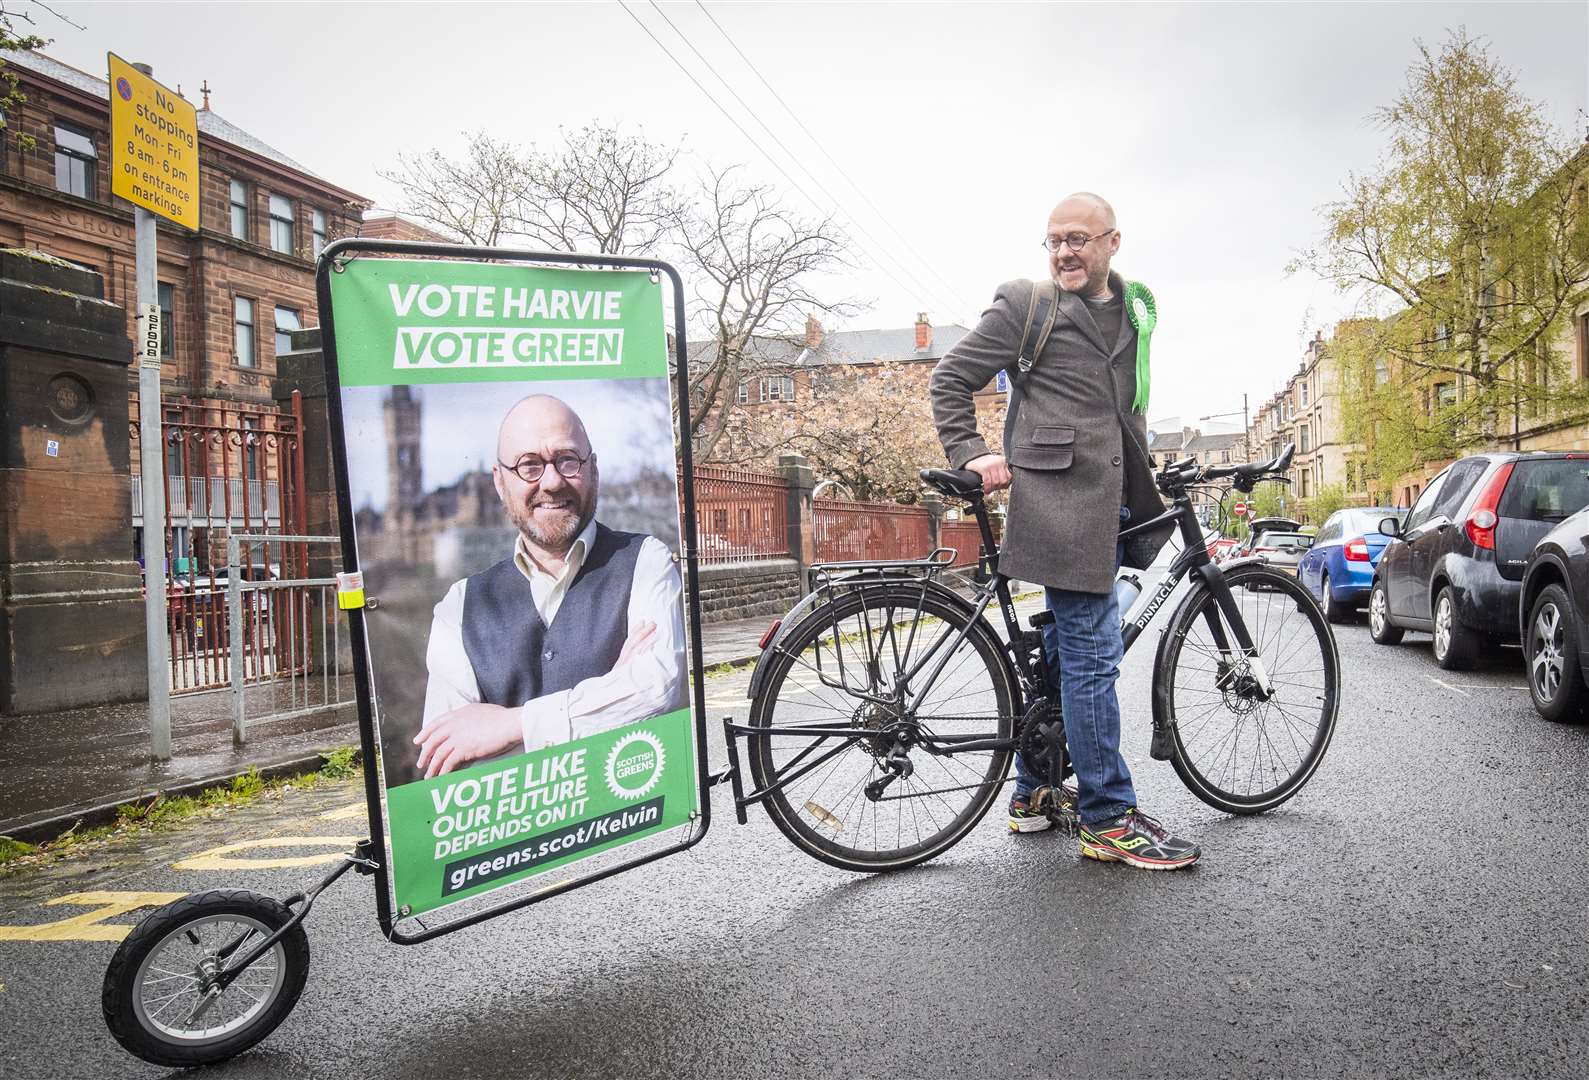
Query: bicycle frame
[[1027, 663]]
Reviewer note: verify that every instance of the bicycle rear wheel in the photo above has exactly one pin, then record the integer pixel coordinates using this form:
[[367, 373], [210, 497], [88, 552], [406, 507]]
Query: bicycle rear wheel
[[1234, 750], [838, 668]]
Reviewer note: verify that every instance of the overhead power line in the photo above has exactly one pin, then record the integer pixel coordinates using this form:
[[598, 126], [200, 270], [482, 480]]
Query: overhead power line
[[923, 289], [824, 151], [918, 289]]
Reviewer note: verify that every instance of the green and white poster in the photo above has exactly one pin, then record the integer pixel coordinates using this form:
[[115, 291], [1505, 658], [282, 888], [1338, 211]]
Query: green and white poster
[[508, 432]]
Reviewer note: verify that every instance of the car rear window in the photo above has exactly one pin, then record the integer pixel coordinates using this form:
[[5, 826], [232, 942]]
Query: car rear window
[[1546, 490], [1277, 539], [1367, 521]]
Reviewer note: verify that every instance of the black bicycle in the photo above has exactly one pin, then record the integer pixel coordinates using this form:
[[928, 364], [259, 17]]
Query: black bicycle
[[885, 710]]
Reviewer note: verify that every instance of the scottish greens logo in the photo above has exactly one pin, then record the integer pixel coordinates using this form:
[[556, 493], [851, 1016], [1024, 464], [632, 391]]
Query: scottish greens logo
[[634, 766]]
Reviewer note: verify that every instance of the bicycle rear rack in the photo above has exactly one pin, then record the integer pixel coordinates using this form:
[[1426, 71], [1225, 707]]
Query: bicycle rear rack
[[874, 571]]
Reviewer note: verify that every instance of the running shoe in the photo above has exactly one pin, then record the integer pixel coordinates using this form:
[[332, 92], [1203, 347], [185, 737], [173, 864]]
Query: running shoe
[[1137, 840], [1040, 809]]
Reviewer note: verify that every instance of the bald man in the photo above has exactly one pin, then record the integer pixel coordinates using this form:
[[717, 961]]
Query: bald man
[[579, 630], [1075, 460]]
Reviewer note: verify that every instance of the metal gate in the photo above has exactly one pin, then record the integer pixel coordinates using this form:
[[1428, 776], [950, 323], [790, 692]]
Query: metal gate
[[289, 632], [229, 469]]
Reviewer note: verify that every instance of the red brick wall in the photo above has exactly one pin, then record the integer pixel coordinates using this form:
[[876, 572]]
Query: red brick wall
[[207, 269]]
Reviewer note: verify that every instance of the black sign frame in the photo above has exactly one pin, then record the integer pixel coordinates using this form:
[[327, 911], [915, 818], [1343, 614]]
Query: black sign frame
[[332, 259]]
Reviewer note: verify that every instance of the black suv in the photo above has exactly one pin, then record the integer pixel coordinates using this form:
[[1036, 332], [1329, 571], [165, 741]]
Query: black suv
[[1455, 567]]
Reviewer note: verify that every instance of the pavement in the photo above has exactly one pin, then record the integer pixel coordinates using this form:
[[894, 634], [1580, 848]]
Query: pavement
[[75, 768], [1416, 912]]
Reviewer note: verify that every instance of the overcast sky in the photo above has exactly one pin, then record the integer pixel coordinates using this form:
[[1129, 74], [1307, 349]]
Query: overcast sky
[[627, 421], [1215, 129]]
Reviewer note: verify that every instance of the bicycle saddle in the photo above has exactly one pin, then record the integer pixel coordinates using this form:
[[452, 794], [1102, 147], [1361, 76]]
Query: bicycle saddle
[[960, 483]]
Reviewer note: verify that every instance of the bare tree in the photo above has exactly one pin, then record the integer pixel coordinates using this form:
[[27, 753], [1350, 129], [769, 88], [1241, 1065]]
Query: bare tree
[[599, 191], [752, 261], [602, 191], [479, 199]]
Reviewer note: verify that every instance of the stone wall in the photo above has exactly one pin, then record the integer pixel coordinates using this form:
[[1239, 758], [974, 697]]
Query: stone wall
[[767, 587], [71, 608]]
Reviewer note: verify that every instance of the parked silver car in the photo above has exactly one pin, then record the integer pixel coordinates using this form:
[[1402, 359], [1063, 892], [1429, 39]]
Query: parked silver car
[[1282, 549]]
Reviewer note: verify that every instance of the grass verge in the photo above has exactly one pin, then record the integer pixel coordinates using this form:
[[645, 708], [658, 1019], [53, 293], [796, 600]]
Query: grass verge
[[163, 812]]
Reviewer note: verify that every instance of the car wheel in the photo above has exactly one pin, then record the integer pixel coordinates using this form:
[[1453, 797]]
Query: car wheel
[[1455, 644], [1334, 610], [1379, 627], [1552, 649]]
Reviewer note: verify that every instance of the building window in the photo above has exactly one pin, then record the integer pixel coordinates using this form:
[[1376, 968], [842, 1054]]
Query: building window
[[777, 388], [1304, 435], [1445, 395], [1224, 456], [1582, 322], [75, 159], [173, 435], [1381, 371], [742, 395], [239, 209], [319, 222], [166, 293], [281, 222], [287, 320], [1304, 395], [243, 332], [251, 451]]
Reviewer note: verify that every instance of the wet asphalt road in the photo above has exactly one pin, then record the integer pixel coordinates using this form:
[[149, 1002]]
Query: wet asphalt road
[[1419, 910]]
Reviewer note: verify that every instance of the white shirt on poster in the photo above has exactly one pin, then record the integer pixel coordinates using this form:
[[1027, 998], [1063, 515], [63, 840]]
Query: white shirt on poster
[[636, 690]]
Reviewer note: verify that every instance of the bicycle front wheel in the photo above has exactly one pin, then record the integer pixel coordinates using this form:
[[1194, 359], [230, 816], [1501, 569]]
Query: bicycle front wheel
[[1237, 748], [848, 666]]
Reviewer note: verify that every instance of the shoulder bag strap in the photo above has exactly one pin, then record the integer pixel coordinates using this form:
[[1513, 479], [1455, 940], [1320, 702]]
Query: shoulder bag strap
[[1041, 311]]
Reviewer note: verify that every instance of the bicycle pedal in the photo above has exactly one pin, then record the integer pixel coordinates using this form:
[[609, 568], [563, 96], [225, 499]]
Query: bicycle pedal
[[1069, 824]]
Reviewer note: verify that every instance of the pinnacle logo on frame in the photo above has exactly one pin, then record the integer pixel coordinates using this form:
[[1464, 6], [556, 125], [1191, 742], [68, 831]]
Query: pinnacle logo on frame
[[506, 347]]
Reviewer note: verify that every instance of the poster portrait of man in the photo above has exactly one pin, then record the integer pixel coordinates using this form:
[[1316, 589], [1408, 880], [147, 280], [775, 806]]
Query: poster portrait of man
[[576, 630]]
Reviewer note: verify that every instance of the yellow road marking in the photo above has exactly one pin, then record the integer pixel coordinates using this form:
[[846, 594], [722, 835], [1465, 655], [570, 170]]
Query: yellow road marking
[[90, 926], [224, 857], [357, 810]]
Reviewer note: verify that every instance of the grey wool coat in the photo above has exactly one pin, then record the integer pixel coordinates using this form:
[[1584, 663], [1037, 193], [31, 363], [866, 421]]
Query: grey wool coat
[[1077, 452]]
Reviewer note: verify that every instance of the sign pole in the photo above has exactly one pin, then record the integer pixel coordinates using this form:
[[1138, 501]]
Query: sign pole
[[154, 164], [152, 466]]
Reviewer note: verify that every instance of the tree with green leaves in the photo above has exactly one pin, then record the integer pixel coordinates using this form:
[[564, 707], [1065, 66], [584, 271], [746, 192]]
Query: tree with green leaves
[[12, 40], [1471, 240]]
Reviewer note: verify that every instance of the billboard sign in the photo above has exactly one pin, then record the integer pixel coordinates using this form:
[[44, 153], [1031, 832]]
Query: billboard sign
[[509, 478]]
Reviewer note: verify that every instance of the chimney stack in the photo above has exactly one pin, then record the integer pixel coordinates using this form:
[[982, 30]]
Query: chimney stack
[[923, 332], [813, 332]]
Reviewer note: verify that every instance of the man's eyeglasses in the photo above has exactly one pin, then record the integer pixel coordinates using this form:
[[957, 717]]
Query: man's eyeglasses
[[1075, 241], [530, 469]]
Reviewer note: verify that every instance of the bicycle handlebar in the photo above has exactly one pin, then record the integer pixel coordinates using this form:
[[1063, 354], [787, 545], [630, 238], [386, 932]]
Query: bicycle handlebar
[[1185, 473]]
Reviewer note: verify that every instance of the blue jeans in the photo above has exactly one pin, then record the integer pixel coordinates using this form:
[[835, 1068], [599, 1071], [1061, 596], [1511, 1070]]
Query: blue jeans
[[1083, 649]]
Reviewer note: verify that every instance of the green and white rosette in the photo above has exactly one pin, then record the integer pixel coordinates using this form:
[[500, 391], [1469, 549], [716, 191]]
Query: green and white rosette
[[1144, 316]]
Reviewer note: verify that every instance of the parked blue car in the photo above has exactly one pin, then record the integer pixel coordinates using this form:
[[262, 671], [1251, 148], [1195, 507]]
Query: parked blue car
[[1339, 568]]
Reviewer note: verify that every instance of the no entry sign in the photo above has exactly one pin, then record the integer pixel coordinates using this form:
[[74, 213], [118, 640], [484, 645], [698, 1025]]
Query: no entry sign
[[1241, 509]]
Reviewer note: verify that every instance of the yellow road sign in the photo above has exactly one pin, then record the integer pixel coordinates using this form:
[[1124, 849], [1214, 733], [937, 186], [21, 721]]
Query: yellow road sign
[[154, 145]]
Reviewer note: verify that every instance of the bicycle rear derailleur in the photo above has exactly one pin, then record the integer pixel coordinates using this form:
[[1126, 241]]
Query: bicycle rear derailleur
[[896, 761]]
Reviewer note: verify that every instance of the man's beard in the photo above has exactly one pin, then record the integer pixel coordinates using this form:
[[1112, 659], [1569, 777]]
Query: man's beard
[[554, 532], [1089, 287]]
